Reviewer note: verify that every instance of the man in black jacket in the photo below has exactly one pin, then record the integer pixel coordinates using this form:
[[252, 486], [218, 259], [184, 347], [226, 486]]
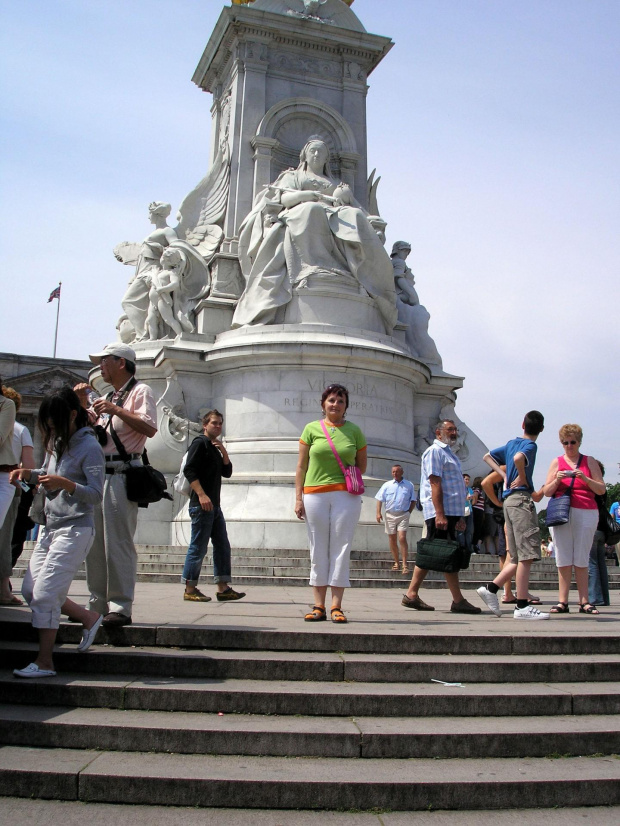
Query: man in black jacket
[[207, 462]]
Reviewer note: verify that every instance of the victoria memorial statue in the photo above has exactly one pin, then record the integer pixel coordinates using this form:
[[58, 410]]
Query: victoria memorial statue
[[273, 280]]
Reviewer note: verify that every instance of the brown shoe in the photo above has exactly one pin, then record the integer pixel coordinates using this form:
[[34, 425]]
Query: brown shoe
[[229, 595], [416, 603], [116, 620], [196, 596], [464, 607]]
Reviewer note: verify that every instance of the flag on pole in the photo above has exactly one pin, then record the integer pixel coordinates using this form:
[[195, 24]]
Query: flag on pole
[[54, 294]]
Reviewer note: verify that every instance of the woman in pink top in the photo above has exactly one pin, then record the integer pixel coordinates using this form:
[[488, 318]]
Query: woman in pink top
[[574, 539]]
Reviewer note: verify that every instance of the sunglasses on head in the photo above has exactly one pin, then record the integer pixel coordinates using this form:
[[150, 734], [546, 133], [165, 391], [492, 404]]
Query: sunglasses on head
[[572, 442]]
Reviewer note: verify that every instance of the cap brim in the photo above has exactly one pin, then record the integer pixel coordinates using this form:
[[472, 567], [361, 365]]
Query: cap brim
[[96, 358]]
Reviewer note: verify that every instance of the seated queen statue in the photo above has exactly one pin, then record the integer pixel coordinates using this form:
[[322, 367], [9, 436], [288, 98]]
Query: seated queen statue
[[306, 230]]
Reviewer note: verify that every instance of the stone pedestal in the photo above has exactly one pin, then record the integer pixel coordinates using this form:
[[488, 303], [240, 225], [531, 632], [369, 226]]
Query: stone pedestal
[[267, 382]]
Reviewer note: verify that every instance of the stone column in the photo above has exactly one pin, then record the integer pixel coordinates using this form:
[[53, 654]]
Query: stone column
[[354, 112], [263, 151], [254, 83]]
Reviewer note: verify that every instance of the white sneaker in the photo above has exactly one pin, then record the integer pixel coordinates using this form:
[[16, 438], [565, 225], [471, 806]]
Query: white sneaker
[[530, 613], [88, 636], [33, 672], [491, 600]]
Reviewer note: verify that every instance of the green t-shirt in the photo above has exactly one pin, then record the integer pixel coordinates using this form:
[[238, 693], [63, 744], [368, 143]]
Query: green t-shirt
[[323, 468]]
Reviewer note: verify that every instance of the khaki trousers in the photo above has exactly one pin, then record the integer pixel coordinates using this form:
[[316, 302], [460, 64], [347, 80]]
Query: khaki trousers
[[6, 535], [112, 561]]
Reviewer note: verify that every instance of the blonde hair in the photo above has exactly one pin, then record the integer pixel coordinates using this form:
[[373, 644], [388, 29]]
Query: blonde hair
[[571, 430], [13, 395]]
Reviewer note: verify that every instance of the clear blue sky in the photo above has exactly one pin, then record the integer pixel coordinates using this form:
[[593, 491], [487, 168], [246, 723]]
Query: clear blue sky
[[493, 123]]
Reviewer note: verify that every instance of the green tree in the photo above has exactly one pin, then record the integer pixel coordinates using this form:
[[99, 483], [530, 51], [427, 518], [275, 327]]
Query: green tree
[[613, 494], [544, 530]]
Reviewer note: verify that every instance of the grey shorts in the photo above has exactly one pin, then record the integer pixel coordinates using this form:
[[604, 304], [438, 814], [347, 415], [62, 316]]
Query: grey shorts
[[522, 529]]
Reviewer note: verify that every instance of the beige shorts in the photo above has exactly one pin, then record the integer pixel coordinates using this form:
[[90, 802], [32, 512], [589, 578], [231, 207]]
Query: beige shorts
[[522, 531], [396, 521]]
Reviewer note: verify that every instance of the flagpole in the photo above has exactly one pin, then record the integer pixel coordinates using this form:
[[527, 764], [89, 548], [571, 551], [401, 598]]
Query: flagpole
[[57, 315]]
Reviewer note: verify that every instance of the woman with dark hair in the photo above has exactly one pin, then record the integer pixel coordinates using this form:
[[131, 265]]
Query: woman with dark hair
[[72, 477], [478, 513], [331, 513], [598, 577]]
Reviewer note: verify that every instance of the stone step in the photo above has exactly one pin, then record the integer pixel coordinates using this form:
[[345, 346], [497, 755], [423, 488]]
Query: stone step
[[327, 637], [399, 581], [76, 812], [312, 698], [307, 783], [356, 572], [322, 667], [174, 553], [277, 736]]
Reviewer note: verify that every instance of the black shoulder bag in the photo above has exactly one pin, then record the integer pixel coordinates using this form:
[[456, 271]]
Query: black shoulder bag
[[558, 509], [145, 484]]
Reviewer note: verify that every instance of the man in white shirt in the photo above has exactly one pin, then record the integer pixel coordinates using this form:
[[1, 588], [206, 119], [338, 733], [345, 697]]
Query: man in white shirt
[[398, 497], [112, 561]]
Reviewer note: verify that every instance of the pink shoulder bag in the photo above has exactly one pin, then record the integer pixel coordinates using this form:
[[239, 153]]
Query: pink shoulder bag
[[352, 474]]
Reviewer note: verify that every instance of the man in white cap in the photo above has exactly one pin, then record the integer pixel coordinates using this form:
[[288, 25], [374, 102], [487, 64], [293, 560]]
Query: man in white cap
[[129, 411]]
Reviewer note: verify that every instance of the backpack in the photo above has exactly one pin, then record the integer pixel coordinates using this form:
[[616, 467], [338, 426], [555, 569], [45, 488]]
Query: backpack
[[180, 483]]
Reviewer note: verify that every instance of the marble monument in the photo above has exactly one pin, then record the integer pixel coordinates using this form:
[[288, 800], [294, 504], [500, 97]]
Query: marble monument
[[275, 280]]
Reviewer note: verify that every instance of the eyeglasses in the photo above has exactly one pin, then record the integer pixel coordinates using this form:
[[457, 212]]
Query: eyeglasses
[[572, 442], [333, 387]]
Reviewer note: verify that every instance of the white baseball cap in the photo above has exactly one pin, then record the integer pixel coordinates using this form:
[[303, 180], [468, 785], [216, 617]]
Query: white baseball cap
[[118, 349]]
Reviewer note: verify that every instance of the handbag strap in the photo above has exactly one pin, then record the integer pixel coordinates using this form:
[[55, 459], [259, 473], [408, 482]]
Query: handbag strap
[[331, 444], [569, 490], [120, 447]]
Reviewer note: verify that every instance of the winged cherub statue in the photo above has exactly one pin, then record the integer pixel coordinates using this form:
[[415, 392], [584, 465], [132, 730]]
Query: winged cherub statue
[[197, 236]]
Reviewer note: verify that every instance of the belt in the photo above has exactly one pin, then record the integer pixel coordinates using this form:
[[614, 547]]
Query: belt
[[115, 457], [8, 468]]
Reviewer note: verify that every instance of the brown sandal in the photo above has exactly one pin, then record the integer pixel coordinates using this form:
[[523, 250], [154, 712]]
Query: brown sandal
[[337, 615], [317, 614]]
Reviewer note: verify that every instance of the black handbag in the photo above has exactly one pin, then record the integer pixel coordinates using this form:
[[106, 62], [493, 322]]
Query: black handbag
[[606, 523], [558, 509], [444, 555], [145, 484]]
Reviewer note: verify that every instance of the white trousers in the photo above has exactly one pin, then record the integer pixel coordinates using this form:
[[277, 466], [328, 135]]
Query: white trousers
[[111, 565], [574, 539], [53, 565], [331, 519], [7, 492]]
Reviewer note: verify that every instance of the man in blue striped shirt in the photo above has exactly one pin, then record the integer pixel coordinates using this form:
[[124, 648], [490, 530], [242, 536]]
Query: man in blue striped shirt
[[398, 496], [442, 494]]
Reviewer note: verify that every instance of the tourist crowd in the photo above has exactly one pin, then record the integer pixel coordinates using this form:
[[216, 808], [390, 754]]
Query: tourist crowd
[[81, 497]]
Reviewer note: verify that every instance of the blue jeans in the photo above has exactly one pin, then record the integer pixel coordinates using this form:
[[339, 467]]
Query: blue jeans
[[598, 580], [207, 525], [465, 538]]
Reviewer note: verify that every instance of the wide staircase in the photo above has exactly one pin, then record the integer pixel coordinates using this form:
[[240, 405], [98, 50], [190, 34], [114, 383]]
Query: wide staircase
[[369, 569], [427, 714]]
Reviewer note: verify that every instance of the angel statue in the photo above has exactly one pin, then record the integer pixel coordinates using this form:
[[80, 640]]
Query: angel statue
[[175, 290], [410, 311], [308, 227], [197, 235]]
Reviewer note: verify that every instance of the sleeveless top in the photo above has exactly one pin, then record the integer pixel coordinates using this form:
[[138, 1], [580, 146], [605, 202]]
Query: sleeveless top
[[581, 496]]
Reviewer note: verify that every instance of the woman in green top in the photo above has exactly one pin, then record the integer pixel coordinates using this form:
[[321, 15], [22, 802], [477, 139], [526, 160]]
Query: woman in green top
[[331, 513]]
